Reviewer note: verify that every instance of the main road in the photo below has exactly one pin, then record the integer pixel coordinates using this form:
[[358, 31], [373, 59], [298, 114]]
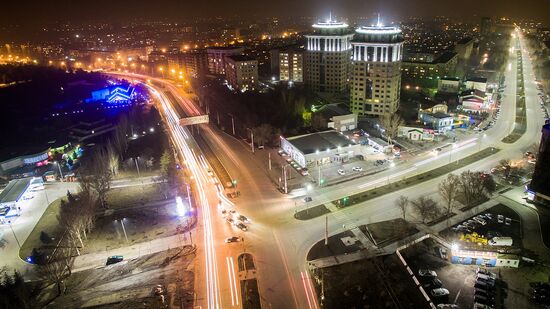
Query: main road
[[278, 242]]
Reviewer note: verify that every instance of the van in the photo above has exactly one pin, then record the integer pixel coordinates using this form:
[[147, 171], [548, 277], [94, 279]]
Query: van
[[501, 241]]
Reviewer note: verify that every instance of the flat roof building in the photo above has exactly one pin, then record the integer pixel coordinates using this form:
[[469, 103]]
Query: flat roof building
[[216, 58], [241, 72], [320, 148], [539, 188]]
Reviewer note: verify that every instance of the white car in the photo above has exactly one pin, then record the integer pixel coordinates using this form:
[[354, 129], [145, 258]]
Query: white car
[[427, 273], [341, 172], [357, 169], [439, 292]]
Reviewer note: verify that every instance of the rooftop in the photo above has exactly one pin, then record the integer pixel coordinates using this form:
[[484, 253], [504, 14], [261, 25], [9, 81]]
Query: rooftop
[[241, 58], [320, 141], [14, 190], [477, 79], [465, 40]]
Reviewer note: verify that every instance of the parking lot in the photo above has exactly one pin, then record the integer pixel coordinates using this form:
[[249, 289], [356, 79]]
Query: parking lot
[[459, 280], [503, 222]]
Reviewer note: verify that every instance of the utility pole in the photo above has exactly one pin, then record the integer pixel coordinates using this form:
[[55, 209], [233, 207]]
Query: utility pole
[[284, 173], [269, 158], [218, 116], [124, 230], [232, 123], [188, 196], [319, 175], [15, 236], [326, 230], [60, 172], [252, 139], [137, 167]]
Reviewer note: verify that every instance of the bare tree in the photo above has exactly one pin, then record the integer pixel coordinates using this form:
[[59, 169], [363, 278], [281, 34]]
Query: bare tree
[[391, 123], [426, 207], [403, 203], [98, 174], [263, 133], [448, 189], [471, 188], [113, 158], [120, 137], [57, 268]]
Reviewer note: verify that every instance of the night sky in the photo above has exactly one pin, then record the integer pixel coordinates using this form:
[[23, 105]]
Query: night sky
[[25, 12]]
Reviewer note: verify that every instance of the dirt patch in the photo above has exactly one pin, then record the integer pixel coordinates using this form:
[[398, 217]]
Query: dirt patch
[[386, 232], [131, 284]]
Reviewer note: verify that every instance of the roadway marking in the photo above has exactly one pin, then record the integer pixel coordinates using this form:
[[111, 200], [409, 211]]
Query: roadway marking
[[457, 295], [230, 282], [305, 289], [234, 280]]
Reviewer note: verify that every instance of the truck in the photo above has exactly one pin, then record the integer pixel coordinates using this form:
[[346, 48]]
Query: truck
[[501, 241]]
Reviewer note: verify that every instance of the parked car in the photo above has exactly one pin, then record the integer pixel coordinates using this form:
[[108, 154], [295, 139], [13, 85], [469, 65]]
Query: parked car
[[341, 172], [357, 169], [427, 273], [508, 221], [434, 283], [500, 219], [501, 241], [480, 220], [485, 272], [439, 292], [447, 306]]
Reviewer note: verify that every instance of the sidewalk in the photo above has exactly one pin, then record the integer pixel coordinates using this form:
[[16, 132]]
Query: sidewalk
[[98, 259]]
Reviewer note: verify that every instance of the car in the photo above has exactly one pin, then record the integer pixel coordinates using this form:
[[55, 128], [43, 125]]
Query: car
[[434, 283], [304, 172], [281, 152], [485, 272], [341, 172], [114, 259], [230, 220], [232, 239], [489, 216], [508, 221], [439, 292], [243, 219], [357, 169], [481, 306], [500, 219], [480, 221], [288, 160], [427, 273], [210, 173], [483, 300], [242, 226], [489, 283]]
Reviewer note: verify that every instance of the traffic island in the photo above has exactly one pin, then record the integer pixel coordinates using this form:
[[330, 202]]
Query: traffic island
[[520, 125], [312, 212]]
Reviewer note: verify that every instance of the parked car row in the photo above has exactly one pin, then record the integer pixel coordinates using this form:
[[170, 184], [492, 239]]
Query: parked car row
[[431, 283], [303, 171], [484, 289], [342, 172], [540, 293], [470, 225]]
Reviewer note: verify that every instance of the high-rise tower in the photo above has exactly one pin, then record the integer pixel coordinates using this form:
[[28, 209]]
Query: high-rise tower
[[376, 70], [328, 57]]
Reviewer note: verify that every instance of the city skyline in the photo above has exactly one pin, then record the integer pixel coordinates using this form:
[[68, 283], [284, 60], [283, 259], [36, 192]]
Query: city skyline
[[31, 12]]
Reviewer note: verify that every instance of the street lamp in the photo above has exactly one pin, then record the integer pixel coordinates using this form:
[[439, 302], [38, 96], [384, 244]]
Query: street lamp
[[59, 166], [16, 239], [124, 230]]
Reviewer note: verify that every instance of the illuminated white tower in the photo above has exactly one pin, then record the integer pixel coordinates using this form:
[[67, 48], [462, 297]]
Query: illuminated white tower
[[376, 70], [328, 57]]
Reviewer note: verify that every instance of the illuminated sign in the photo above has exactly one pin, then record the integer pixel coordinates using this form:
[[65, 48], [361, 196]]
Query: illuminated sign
[[194, 120]]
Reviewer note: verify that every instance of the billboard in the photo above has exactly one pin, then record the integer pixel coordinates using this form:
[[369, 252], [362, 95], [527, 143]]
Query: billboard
[[193, 120]]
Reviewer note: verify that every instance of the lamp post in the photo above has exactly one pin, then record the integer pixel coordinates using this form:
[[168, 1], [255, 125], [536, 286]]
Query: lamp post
[[15, 236], [137, 166], [60, 172], [124, 230]]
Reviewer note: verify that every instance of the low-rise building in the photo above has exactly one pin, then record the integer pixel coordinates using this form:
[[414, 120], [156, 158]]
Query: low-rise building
[[473, 101], [476, 83], [448, 85], [320, 148], [416, 133], [440, 122], [241, 72]]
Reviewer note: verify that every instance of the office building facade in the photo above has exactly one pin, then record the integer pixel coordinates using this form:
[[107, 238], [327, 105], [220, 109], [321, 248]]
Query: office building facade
[[241, 72], [376, 70], [216, 58], [327, 57]]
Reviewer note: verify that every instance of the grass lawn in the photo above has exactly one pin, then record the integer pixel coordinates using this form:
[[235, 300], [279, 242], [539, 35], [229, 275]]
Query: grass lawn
[[47, 223], [386, 232], [127, 197]]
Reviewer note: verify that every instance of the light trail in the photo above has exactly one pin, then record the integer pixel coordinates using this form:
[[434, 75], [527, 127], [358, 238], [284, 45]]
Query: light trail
[[234, 282], [229, 275], [180, 135]]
